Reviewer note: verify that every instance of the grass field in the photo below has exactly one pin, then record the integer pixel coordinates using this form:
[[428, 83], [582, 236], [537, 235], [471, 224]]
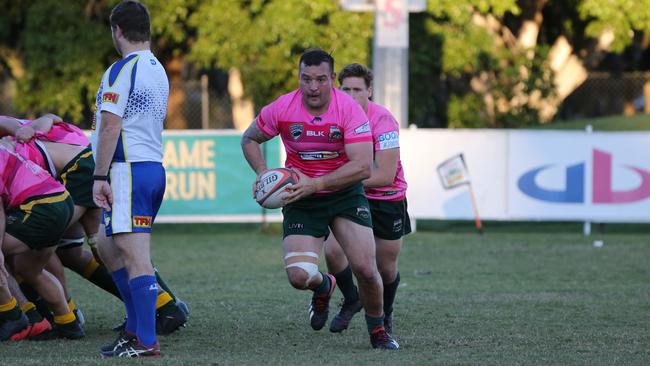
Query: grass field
[[637, 122], [527, 296]]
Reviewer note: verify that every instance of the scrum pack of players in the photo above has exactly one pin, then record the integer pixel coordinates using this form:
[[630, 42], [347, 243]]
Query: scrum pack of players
[[46, 214]]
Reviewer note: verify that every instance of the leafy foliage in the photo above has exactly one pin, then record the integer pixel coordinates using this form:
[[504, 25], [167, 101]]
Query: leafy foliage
[[462, 73], [264, 39], [61, 70]]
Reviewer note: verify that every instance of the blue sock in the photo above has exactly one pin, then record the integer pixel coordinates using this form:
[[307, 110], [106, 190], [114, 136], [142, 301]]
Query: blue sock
[[121, 279], [144, 291]]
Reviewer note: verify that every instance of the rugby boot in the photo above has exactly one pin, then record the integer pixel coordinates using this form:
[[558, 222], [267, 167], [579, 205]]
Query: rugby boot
[[341, 321], [183, 306], [319, 306], [167, 324], [108, 350], [35, 328], [379, 338], [134, 349], [80, 316], [72, 330], [11, 327]]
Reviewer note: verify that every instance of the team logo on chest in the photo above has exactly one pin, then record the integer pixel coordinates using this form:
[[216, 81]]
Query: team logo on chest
[[296, 130], [335, 134]]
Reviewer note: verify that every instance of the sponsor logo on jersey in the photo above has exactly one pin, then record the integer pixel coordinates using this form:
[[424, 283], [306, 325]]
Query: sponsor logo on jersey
[[296, 225], [315, 133], [318, 155], [142, 221], [335, 134], [110, 97], [363, 212], [388, 140], [296, 130], [365, 127]]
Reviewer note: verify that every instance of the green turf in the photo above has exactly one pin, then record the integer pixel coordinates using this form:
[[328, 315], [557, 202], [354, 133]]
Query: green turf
[[544, 297], [638, 122]]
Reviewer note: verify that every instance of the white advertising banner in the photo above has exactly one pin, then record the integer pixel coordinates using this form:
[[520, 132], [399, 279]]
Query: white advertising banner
[[531, 175], [484, 152], [565, 175]]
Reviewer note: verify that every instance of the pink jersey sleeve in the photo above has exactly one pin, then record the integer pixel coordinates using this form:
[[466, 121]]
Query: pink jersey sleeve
[[267, 120], [356, 126], [385, 132]]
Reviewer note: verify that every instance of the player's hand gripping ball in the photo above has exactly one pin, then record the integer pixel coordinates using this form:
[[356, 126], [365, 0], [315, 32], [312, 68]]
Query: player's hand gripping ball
[[273, 186]]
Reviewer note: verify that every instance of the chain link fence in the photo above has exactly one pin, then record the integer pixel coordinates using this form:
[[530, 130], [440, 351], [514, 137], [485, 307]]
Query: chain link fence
[[604, 94]]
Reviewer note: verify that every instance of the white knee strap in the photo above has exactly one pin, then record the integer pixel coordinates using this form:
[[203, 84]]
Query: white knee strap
[[70, 242], [310, 268]]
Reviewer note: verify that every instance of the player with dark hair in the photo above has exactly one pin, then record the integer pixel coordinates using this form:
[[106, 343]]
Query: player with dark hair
[[129, 175], [386, 192], [328, 142]]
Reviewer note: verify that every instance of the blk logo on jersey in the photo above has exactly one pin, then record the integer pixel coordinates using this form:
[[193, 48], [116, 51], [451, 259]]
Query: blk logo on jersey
[[110, 97], [142, 221], [574, 185]]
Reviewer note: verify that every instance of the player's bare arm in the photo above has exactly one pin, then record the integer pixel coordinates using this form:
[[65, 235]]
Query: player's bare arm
[[384, 169], [8, 126], [45, 122], [355, 170], [250, 144]]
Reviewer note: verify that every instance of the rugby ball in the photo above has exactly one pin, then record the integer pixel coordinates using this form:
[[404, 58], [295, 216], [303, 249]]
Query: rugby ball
[[273, 187]]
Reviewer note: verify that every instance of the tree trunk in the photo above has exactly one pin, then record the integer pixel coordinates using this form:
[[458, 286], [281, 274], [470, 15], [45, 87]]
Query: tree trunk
[[242, 108], [175, 117]]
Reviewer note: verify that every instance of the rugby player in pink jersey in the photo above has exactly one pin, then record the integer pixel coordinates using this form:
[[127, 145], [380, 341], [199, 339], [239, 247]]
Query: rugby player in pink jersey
[[64, 148], [328, 142], [386, 192], [34, 213]]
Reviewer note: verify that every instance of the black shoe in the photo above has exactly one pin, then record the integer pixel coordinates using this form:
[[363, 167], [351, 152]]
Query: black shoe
[[80, 316], [72, 330], [382, 340], [11, 327], [344, 316], [167, 324], [133, 349], [388, 323], [183, 306], [108, 350], [319, 306]]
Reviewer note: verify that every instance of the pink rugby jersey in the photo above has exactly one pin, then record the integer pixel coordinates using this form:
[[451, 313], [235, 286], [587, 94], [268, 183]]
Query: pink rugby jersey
[[35, 152], [385, 135], [21, 179], [65, 133], [315, 145]]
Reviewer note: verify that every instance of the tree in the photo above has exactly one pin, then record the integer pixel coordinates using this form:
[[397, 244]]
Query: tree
[[507, 63], [263, 39]]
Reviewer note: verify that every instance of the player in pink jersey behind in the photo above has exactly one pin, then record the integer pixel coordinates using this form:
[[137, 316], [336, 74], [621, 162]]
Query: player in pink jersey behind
[[34, 213], [386, 192], [328, 142]]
